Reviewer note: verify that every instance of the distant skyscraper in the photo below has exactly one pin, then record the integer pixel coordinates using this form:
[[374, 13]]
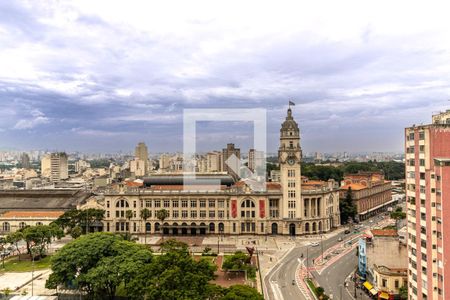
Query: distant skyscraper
[[428, 203], [141, 164], [255, 158], [227, 153], [25, 161], [55, 166]]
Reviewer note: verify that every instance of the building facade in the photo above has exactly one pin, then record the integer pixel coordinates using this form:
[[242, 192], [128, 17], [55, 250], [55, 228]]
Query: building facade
[[427, 149], [295, 206], [370, 193], [55, 166]]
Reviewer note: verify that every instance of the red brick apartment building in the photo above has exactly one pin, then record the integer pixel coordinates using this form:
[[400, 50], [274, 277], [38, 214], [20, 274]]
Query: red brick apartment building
[[427, 150], [370, 192]]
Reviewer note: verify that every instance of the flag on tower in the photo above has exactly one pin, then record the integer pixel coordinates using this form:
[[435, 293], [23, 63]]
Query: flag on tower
[[291, 103]]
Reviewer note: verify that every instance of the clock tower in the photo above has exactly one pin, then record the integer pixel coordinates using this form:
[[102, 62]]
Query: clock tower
[[289, 158]]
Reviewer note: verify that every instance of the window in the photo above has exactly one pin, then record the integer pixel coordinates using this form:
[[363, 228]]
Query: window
[[193, 203], [193, 214], [175, 203], [220, 214], [107, 204], [421, 135], [148, 203], [184, 214], [202, 203], [291, 184], [291, 173], [175, 214], [221, 204], [6, 226], [157, 203], [166, 203], [212, 214], [203, 214], [384, 282], [211, 203], [184, 203], [422, 162]]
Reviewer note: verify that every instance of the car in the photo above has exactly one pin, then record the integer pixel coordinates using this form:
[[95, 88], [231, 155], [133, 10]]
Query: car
[[340, 239], [314, 244], [347, 231]]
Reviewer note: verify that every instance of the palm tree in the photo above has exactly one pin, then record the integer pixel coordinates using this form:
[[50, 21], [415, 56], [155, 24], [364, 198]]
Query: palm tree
[[129, 215], [145, 214], [162, 214]]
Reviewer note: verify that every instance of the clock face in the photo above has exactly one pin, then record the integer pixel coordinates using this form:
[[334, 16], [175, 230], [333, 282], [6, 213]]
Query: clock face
[[291, 161]]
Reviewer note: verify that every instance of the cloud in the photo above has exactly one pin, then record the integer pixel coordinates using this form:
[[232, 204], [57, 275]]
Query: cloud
[[116, 72], [36, 118]]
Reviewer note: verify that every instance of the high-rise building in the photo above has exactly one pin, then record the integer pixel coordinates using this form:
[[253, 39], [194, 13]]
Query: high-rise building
[[55, 166], [255, 159], [141, 163], [25, 161], [226, 154], [428, 202], [214, 161]]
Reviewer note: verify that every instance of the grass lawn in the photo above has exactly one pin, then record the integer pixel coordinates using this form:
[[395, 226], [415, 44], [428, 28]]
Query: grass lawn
[[209, 259], [14, 265]]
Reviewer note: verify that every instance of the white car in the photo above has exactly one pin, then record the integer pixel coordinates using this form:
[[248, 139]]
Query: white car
[[314, 244]]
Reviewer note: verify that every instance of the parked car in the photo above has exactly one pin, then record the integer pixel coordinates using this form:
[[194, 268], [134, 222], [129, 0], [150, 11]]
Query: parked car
[[314, 244], [340, 239], [347, 231]]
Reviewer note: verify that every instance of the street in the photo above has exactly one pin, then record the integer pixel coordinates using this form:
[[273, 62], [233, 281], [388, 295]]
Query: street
[[279, 281]]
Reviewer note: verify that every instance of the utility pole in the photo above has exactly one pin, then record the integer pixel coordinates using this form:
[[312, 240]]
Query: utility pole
[[321, 244], [307, 262]]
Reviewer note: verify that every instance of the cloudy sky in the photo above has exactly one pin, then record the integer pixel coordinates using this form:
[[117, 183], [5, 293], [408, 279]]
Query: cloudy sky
[[99, 76]]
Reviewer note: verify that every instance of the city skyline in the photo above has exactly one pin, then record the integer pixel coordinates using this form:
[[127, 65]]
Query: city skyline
[[99, 78]]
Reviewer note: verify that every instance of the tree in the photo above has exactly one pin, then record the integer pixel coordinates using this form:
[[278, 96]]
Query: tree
[[173, 275], [129, 215], [40, 237], [347, 207], [97, 264], [403, 292], [239, 261], [3, 243], [14, 238], [241, 292], [162, 214], [145, 214], [81, 218], [76, 232]]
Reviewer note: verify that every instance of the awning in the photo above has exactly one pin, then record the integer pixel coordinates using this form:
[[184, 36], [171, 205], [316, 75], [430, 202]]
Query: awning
[[367, 285], [384, 295], [373, 292]]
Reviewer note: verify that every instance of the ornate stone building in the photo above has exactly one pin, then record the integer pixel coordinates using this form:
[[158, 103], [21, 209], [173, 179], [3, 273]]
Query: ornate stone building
[[295, 206]]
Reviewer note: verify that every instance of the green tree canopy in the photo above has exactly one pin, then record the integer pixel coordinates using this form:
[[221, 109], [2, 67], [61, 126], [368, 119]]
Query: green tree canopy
[[79, 218], [40, 237], [98, 263], [241, 292]]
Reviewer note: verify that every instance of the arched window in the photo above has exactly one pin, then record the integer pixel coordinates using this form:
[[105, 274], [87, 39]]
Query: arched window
[[122, 203], [307, 227], [22, 225], [39, 223], [148, 227], [212, 227], [157, 227], [221, 227], [6, 226], [248, 209]]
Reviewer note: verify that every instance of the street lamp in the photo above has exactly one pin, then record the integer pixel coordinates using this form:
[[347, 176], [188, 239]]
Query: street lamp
[[321, 243]]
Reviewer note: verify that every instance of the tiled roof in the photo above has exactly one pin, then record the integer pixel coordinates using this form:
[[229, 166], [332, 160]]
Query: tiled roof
[[32, 214], [384, 232], [354, 186]]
